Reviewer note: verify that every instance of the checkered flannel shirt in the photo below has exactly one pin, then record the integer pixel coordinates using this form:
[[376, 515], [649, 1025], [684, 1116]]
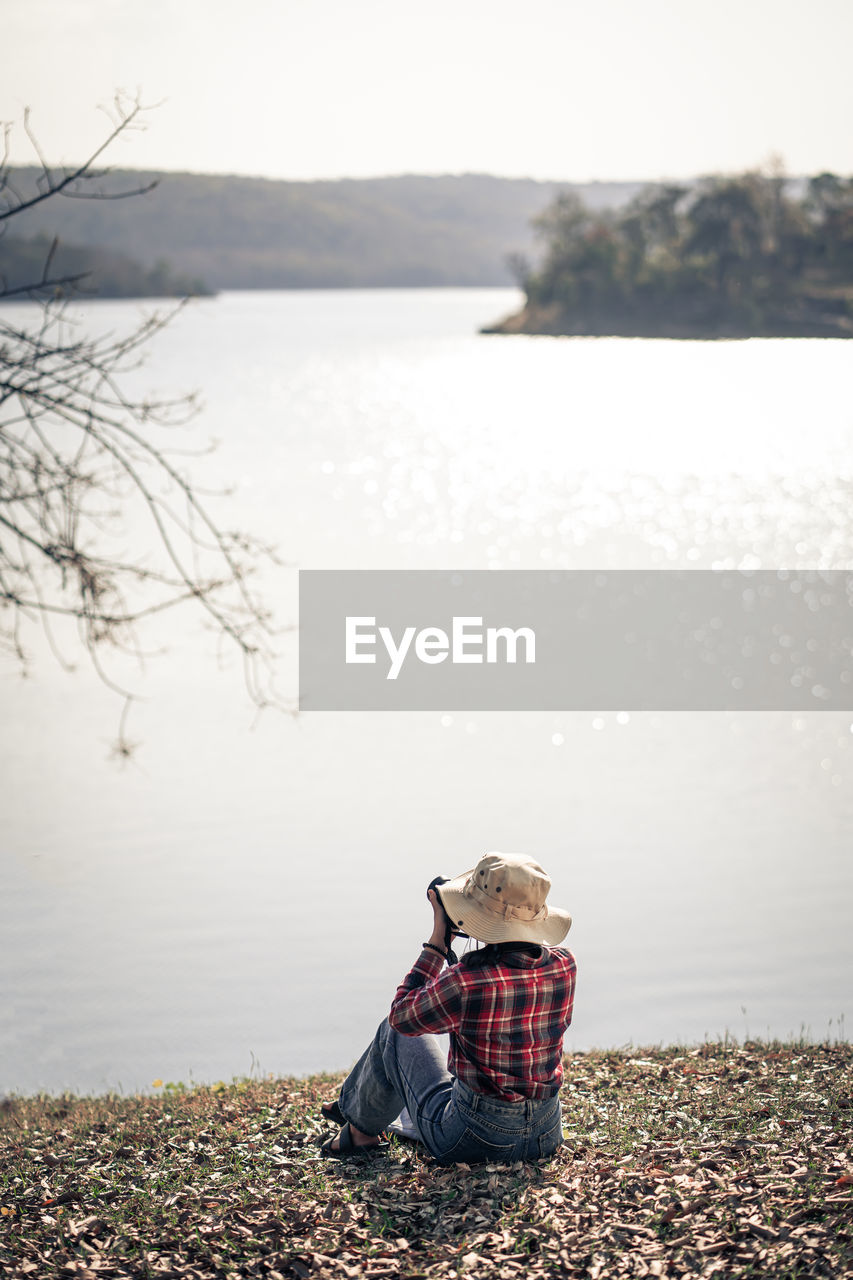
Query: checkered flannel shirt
[[506, 1019]]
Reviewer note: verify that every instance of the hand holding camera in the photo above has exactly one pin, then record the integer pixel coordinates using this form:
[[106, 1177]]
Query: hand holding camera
[[443, 930]]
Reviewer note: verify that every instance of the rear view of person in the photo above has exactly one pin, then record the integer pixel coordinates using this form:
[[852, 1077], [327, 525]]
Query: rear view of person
[[506, 1008]]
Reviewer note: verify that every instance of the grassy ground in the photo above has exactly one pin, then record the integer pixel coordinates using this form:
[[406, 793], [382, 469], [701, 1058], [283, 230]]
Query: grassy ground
[[727, 1159]]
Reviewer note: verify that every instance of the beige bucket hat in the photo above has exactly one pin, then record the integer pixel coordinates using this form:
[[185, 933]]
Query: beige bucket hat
[[502, 900]]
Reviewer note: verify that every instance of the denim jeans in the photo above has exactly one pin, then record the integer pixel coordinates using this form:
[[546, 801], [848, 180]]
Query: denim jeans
[[454, 1122]]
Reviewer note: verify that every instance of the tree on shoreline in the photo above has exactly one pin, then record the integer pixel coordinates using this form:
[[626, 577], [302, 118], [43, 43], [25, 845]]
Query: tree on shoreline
[[731, 255], [81, 459]]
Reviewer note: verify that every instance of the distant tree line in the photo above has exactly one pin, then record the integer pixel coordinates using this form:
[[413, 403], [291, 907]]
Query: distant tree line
[[254, 233], [727, 256], [100, 273]]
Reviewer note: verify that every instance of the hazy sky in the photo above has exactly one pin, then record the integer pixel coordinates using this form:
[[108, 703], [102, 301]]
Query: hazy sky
[[542, 88]]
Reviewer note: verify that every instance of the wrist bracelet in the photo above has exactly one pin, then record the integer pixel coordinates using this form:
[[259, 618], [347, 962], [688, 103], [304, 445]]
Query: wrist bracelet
[[430, 946]]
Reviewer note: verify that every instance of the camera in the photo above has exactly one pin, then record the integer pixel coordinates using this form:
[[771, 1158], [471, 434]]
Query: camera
[[450, 927]]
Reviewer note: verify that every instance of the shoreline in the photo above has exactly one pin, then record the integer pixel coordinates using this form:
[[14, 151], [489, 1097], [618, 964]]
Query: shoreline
[[539, 321]]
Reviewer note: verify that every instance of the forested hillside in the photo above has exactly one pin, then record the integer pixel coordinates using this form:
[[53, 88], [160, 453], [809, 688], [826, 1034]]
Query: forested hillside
[[96, 272], [248, 233]]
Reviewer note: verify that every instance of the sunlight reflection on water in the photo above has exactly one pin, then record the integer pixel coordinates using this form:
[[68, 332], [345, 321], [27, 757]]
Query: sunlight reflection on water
[[600, 453]]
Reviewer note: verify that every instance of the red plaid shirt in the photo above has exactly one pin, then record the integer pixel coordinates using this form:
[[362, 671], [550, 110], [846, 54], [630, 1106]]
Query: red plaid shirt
[[506, 1018]]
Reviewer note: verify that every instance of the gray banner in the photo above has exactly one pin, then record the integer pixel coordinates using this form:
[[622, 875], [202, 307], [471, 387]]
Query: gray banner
[[701, 640]]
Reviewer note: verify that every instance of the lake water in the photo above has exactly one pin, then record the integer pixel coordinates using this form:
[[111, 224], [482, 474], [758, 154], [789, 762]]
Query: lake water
[[243, 897]]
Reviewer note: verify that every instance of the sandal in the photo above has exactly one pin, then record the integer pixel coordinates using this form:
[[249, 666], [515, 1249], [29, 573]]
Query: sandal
[[347, 1149], [331, 1111]]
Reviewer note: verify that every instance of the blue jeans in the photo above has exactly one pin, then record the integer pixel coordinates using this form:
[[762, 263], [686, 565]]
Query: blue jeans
[[453, 1121]]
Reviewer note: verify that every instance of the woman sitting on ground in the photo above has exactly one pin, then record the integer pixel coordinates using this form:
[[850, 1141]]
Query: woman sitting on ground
[[506, 1008]]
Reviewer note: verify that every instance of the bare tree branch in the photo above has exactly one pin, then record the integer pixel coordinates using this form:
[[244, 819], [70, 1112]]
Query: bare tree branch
[[83, 462], [127, 115]]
